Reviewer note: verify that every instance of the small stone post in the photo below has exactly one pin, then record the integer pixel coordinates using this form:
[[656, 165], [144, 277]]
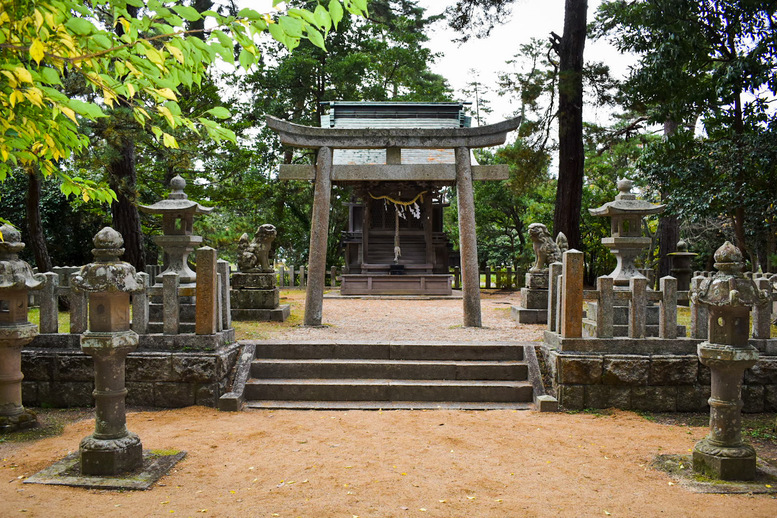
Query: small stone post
[[554, 273], [49, 303], [604, 315], [698, 311], [111, 449], [206, 319], [638, 307], [762, 314], [140, 306], [729, 295], [171, 310], [667, 320], [572, 295], [16, 279]]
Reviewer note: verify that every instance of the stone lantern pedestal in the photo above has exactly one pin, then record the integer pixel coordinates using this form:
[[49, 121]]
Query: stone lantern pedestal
[[16, 278], [729, 297], [111, 449]]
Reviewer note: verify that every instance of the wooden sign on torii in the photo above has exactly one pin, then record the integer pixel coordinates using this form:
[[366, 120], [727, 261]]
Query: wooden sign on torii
[[325, 140]]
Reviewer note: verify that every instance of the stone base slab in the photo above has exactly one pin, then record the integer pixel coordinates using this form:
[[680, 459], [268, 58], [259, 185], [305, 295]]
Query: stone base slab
[[254, 299], [529, 316], [66, 472], [253, 280], [718, 463], [279, 314], [109, 457], [369, 284], [534, 299]]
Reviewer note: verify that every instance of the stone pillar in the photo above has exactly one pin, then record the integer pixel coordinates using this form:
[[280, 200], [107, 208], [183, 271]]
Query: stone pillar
[[319, 232], [637, 307], [171, 310], [111, 449], [281, 276], [333, 277], [468, 244], [667, 318], [698, 311], [604, 314], [222, 267], [488, 277], [572, 296], [140, 306], [729, 295], [292, 282], [554, 273], [49, 303], [206, 319], [16, 279], [762, 314], [77, 309], [303, 281]]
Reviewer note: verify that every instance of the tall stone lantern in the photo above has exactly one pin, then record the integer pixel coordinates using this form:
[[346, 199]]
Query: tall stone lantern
[[16, 278], [111, 449], [681, 265], [729, 295], [626, 241], [177, 241]]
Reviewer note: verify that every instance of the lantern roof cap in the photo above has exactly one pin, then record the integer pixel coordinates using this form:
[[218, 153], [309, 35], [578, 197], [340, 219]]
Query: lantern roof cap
[[108, 273], [14, 272], [626, 203], [729, 286], [176, 201]]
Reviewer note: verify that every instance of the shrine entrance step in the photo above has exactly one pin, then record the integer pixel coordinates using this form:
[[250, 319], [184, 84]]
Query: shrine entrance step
[[392, 375]]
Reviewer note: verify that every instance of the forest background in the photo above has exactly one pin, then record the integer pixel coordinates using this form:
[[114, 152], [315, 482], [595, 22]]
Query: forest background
[[693, 123]]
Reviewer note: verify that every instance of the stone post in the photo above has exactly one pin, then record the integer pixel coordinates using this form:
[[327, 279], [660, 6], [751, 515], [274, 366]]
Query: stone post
[[222, 267], [78, 322], [604, 314], [638, 307], [206, 319], [281, 276], [510, 279], [292, 282], [762, 314], [140, 306], [729, 295], [554, 272], [49, 303], [468, 245], [456, 277], [319, 232], [16, 279], [303, 281], [333, 277], [698, 311], [667, 317], [111, 449], [171, 310], [572, 295], [488, 277]]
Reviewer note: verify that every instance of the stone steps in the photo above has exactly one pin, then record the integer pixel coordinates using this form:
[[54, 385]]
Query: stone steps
[[392, 375]]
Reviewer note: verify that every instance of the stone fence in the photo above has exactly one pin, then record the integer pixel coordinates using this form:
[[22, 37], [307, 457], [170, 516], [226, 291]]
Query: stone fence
[[186, 349], [592, 365]]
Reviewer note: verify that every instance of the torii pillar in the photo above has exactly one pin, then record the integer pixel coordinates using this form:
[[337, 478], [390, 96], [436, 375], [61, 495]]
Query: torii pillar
[[325, 140]]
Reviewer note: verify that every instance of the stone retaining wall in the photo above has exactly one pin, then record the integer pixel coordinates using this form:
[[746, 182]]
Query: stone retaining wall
[[650, 382], [63, 377]]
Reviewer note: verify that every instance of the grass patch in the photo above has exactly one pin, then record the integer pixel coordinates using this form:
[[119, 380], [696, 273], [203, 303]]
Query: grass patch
[[595, 412], [51, 422], [247, 330], [64, 319]]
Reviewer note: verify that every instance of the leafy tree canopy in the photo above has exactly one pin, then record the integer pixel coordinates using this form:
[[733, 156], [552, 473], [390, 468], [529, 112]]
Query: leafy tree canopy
[[44, 43]]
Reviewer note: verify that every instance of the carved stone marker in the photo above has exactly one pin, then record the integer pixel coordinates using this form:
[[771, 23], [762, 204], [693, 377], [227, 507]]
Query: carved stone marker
[[254, 294], [111, 449], [16, 279], [729, 295]]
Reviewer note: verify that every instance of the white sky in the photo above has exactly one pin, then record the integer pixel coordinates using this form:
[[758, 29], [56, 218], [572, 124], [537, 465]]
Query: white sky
[[528, 19]]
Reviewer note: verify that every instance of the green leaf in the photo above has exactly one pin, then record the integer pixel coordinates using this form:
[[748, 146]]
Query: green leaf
[[219, 112], [323, 20], [80, 26], [89, 110], [135, 3], [315, 37], [277, 33], [249, 14], [335, 12], [50, 76], [291, 26], [246, 59], [187, 13]]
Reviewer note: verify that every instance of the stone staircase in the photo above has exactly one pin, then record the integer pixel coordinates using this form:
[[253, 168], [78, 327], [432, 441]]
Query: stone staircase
[[392, 375]]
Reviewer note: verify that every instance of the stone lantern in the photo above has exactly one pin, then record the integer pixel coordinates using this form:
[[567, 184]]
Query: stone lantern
[[729, 295], [681, 265], [16, 278], [626, 241], [177, 241], [111, 449]]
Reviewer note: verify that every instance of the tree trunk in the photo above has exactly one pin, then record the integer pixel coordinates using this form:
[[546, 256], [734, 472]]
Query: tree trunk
[[569, 192], [668, 226], [36, 241], [126, 219]]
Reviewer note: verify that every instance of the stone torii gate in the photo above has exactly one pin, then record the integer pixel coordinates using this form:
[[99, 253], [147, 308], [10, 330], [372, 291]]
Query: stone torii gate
[[325, 140]]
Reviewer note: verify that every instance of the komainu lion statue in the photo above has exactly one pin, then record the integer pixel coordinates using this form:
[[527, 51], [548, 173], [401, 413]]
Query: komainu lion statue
[[253, 255], [545, 250]]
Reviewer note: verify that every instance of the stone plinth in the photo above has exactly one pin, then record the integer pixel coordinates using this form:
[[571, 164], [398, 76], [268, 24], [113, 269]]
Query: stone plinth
[[254, 296], [533, 308]]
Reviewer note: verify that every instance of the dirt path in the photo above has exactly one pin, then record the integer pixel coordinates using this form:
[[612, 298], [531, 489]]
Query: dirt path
[[385, 464]]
